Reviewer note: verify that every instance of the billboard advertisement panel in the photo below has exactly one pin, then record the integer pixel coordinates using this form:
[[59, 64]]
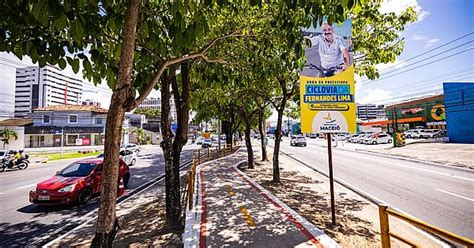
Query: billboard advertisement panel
[[327, 91]]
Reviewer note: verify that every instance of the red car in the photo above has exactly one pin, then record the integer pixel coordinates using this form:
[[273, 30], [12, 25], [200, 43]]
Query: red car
[[76, 183]]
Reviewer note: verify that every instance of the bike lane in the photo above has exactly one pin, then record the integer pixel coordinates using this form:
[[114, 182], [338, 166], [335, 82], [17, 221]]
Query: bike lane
[[232, 210]]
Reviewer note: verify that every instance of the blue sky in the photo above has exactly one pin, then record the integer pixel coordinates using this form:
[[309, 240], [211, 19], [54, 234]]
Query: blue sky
[[441, 21]]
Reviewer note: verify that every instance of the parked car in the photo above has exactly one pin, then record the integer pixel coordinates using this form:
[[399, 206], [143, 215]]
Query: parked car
[[206, 143], [429, 133], [297, 140], [352, 138], [76, 183], [375, 139], [313, 135], [441, 133], [133, 147], [413, 133], [2, 154], [199, 140], [360, 139], [270, 135], [128, 156]]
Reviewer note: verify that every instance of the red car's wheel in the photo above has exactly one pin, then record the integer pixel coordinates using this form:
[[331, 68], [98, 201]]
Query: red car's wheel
[[84, 196]]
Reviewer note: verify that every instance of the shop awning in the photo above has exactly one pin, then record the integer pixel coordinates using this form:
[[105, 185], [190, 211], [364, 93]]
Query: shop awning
[[388, 122]]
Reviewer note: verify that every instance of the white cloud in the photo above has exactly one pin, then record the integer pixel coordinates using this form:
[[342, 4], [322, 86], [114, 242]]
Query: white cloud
[[376, 96], [418, 36], [398, 6], [431, 42]]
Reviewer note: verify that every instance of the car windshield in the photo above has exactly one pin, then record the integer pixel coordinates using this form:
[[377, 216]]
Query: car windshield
[[2, 153], [77, 170]]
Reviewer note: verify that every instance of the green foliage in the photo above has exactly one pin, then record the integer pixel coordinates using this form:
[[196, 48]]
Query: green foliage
[[7, 135], [376, 37], [141, 135], [149, 113]]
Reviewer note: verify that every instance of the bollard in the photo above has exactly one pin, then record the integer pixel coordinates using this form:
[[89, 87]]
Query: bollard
[[225, 147], [208, 154], [190, 189], [384, 227]]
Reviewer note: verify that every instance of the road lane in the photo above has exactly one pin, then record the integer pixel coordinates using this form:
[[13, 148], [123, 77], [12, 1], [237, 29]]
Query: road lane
[[22, 223], [409, 186]]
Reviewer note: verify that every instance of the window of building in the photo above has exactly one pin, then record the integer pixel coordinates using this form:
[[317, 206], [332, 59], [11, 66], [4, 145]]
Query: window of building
[[98, 120], [72, 119], [46, 119], [71, 139]]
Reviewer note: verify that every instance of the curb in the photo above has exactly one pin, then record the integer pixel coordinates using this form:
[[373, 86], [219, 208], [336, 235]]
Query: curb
[[403, 158], [68, 229], [372, 199]]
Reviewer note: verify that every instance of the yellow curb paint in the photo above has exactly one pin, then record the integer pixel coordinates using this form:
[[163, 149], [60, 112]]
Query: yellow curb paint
[[247, 217], [230, 190]]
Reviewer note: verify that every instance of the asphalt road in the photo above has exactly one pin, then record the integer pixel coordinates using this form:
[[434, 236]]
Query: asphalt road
[[442, 196], [22, 223]]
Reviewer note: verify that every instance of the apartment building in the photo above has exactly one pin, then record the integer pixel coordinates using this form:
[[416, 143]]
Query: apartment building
[[38, 87]]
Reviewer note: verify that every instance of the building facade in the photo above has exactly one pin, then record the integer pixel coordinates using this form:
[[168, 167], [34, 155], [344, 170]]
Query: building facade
[[91, 102], [370, 111], [39, 87], [66, 125], [459, 103]]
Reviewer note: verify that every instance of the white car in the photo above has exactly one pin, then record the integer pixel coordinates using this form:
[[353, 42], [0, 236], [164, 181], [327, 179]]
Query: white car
[[128, 156], [199, 140], [429, 133], [360, 138], [375, 139], [412, 133], [133, 147], [2, 154]]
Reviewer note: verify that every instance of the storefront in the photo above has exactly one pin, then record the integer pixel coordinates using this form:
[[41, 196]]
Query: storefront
[[73, 136], [428, 112]]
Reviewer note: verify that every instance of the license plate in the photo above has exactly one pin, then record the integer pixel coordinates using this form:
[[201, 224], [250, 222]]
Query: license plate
[[43, 198]]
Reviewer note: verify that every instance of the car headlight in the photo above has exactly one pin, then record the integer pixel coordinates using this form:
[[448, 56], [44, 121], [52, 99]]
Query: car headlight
[[68, 188]]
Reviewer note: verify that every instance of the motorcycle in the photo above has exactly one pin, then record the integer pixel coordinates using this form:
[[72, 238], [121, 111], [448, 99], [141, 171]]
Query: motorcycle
[[7, 163], [325, 72]]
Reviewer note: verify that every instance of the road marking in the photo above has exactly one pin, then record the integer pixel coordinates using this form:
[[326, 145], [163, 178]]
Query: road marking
[[247, 216], [460, 196], [230, 190], [27, 186]]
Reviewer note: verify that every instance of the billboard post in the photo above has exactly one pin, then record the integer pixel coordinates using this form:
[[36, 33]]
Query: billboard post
[[327, 88]]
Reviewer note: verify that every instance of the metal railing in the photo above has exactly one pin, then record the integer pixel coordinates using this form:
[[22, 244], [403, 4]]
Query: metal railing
[[385, 212], [197, 159]]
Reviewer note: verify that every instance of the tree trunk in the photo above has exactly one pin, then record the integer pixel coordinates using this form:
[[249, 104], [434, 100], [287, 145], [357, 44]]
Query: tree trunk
[[261, 124], [173, 202], [276, 148], [248, 144], [107, 223]]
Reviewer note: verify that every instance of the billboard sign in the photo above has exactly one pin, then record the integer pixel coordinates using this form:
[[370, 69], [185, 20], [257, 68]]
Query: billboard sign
[[327, 91]]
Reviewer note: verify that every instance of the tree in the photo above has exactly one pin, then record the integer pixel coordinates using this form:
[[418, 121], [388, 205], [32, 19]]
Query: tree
[[132, 45], [149, 113], [7, 135], [141, 135]]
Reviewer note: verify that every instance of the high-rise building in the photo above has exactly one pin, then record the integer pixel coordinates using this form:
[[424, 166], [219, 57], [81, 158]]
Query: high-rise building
[[370, 111], [90, 102], [150, 103], [38, 87]]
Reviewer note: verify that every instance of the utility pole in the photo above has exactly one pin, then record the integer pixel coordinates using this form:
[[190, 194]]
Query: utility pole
[[62, 141], [331, 180]]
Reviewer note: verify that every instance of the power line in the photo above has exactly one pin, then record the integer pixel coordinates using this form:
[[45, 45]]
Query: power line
[[433, 49], [432, 56], [428, 63]]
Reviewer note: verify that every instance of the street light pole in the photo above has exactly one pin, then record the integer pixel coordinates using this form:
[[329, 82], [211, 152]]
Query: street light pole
[[62, 141]]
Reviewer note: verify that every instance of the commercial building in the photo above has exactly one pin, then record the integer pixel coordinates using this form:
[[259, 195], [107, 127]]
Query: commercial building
[[67, 125], [91, 102], [459, 103], [150, 103], [39, 87], [424, 112]]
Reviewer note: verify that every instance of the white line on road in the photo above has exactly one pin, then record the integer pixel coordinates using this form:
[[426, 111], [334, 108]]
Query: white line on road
[[27, 186], [460, 196]]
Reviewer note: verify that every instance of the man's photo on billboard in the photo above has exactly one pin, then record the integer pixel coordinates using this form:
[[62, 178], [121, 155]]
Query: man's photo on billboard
[[328, 53]]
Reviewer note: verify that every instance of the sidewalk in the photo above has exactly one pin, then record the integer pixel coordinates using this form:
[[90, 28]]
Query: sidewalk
[[231, 210]]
